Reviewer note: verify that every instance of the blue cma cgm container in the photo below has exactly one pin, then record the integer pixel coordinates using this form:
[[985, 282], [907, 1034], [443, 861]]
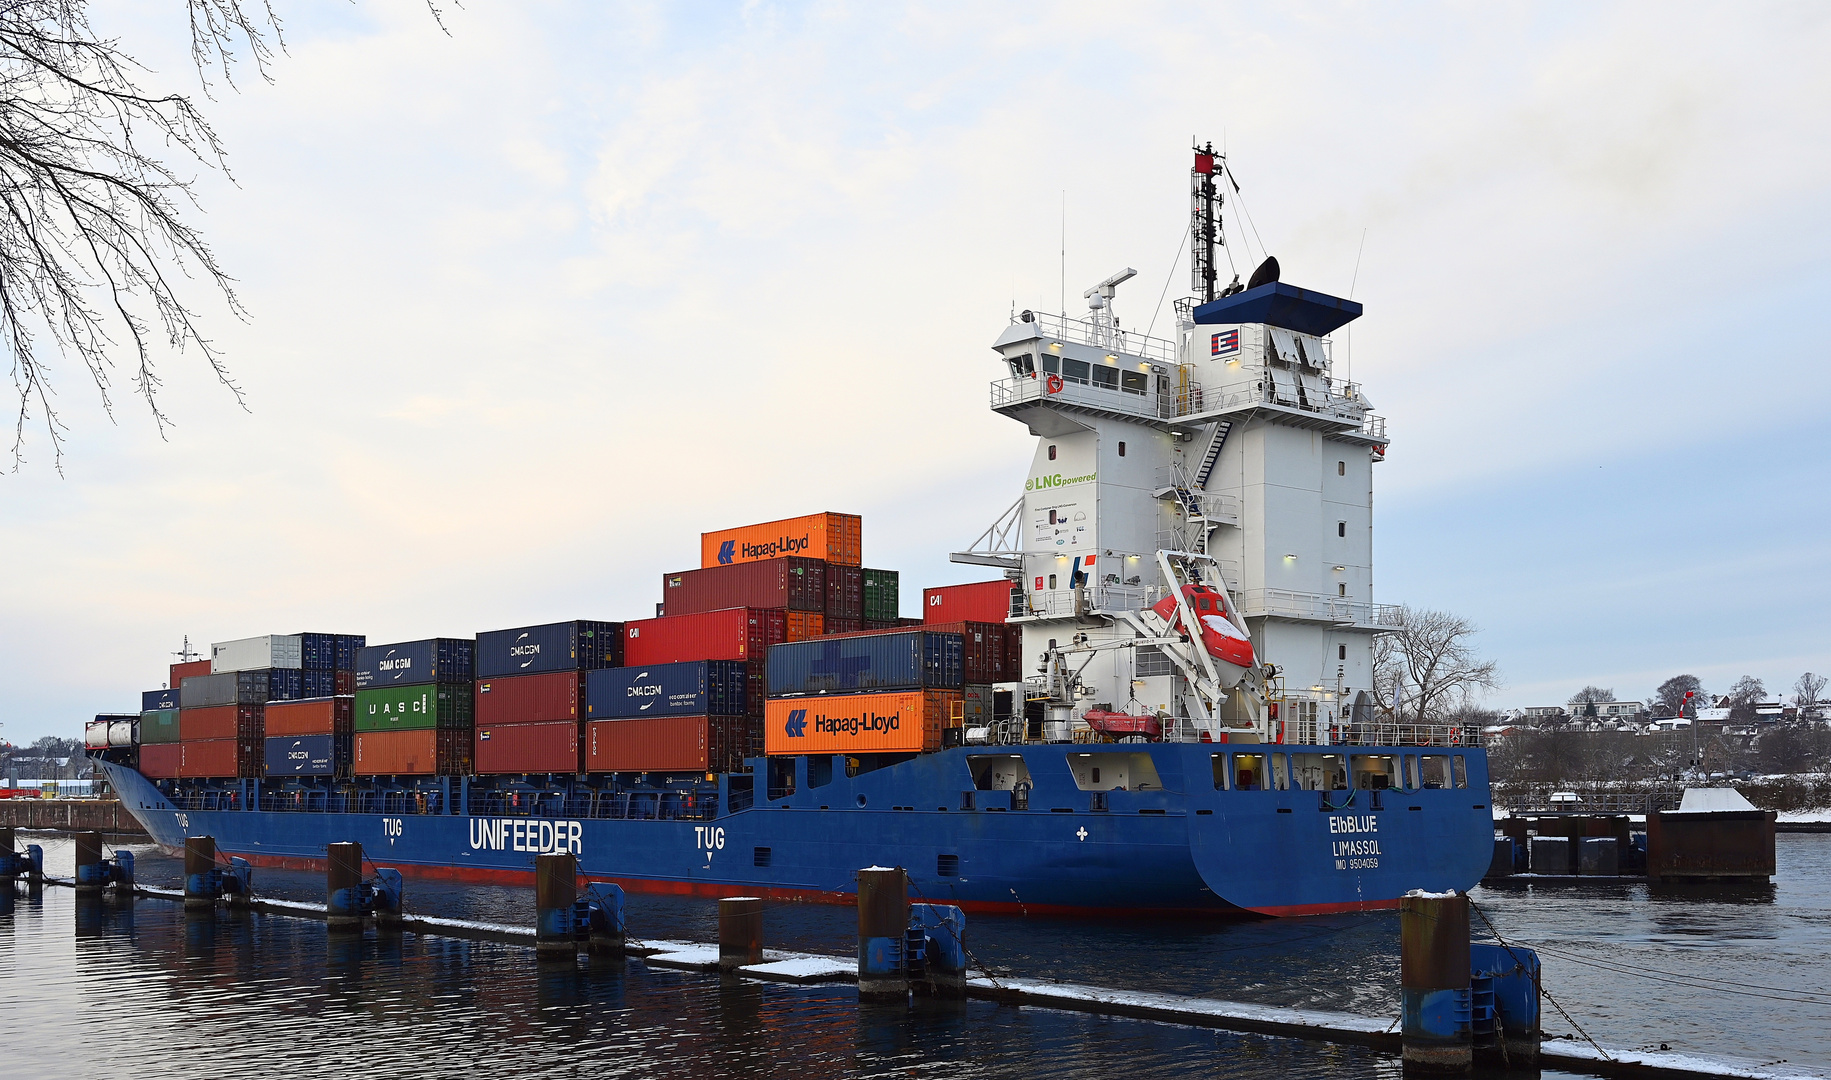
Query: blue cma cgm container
[[307, 755], [697, 688], [579, 645], [154, 700], [330, 652], [911, 660], [409, 663]]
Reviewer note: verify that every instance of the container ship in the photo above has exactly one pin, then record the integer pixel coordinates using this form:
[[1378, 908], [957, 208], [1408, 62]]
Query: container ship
[[1160, 701]]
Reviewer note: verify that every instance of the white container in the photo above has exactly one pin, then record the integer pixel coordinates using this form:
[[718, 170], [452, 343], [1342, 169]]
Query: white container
[[95, 734], [123, 732], [252, 654]]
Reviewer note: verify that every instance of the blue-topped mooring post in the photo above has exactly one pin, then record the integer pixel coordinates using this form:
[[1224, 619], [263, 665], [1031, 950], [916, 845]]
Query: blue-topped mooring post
[[883, 934], [1435, 1005], [941, 929], [202, 884], [343, 894], [1504, 984], [555, 902], [88, 863]]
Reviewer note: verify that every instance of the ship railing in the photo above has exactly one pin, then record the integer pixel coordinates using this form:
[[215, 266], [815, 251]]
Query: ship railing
[[1537, 801], [1101, 336], [1339, 401], [1024, 389], [1398, 734], [1061, 602], [1317, 606]]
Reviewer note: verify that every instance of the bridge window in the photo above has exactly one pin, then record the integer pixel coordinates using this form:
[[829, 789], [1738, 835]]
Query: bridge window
[[1076, 370], [1106, 377], [1134, 382], [1051, 364], [1023, 364]]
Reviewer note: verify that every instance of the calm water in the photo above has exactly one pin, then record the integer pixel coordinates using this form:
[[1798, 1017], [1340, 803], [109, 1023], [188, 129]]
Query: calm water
[[139, 989]]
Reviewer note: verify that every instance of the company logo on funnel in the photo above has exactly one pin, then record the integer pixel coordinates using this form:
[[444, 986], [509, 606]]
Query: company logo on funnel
[[797, 724], [725, 552]]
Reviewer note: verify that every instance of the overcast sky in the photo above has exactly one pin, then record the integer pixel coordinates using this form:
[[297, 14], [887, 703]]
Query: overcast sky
[[533, 304]]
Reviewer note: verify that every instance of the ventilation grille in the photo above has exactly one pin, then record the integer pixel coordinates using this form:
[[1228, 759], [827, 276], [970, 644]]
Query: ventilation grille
[[759, 856], [947, 866]]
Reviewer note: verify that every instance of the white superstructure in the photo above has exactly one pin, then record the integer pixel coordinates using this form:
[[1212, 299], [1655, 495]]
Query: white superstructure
[[1231, 455]]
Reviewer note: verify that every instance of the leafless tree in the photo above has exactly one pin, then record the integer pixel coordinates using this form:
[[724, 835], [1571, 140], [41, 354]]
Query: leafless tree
[[1671, 695], [1806, 691], [1429, 667], [1584, 701], [95, 247], [1744, 694]]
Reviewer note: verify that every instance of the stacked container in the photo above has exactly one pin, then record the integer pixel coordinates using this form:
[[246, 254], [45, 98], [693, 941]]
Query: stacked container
[[531, 694], [414, 708], [696, 716], [310, 737], [893, 691], [327, 664], [829, 537], [881, 594], [791, 584], [980, 601], [220, 718]]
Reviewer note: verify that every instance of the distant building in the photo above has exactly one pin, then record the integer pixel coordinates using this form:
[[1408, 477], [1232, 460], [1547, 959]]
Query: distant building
[[1537, 713]]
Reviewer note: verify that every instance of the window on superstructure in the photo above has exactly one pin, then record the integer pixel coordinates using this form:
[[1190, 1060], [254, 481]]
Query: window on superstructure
[[1076, 370], [1461, 770], [1341, 468], [1341, 528], [1341, 651], [1121, 449], [1134, 382], [1052, 452], [1341, 589], [1023, 364], [1106, 377], [1051, 363], [1052, 585]]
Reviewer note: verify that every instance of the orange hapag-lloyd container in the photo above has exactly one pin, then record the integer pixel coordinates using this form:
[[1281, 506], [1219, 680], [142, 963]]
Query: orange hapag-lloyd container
[[833, 537], [905, 721]]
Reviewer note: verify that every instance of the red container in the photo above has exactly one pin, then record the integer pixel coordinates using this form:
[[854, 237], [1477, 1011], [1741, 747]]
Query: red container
[[791, 584], [885, 624], [344, 682], [313, 716], [672, 744], [981, 601], [415, 752], [221, 758], [844, 626], [159, 761], [181, 672], [845, 592], [731, 634], [990, 652], [551, 747], [220, 722], [802, 625], [530, 699]]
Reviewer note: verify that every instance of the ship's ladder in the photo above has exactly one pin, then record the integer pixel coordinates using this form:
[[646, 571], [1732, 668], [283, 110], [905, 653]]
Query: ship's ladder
[[1188, 491]]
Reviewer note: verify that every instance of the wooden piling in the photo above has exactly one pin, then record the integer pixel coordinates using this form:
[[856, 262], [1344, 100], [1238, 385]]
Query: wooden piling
[[883, 927], [555, 901], [1435, 1004], [343, 887], [200, 889], [740, 932]]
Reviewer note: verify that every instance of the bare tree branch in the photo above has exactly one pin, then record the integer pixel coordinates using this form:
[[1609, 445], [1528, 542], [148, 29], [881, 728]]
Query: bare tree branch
[[1427, 669]]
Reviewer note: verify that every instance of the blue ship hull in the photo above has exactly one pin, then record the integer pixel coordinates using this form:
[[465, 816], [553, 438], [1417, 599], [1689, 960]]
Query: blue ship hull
[[1187, 848]]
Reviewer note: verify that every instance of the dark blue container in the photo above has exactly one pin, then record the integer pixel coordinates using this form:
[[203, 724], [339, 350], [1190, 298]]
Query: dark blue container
[[699, 688], [151, 700], [269, 684], [329, 652], [580, 645], [409, 663], [317, 683], [912, 660], [308, 755], [348, 645]]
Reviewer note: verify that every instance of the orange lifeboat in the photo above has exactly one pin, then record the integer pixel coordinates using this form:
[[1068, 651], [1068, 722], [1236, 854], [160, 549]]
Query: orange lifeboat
[[1116, 725], [1222, 639]]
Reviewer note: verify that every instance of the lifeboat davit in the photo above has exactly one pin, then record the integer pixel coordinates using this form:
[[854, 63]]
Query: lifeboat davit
[[1222, 639], [1119, 725]]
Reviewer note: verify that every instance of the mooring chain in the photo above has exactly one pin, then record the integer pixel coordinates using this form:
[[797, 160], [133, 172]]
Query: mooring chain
[[1546, 994], [961, 939]]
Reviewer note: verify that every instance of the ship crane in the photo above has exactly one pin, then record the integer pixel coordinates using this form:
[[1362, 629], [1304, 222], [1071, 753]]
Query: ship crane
[[1209, 648]]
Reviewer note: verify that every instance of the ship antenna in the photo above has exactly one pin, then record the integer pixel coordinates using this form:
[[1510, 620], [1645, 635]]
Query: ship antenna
[[1204, 221], [1064, 254]]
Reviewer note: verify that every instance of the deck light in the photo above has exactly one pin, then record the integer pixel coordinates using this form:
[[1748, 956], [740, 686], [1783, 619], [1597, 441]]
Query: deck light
[[1340, 569]]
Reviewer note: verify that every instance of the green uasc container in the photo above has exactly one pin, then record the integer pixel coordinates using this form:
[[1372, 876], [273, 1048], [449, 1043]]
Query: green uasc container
[[881, 600], [407, 708], [159, 726]]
